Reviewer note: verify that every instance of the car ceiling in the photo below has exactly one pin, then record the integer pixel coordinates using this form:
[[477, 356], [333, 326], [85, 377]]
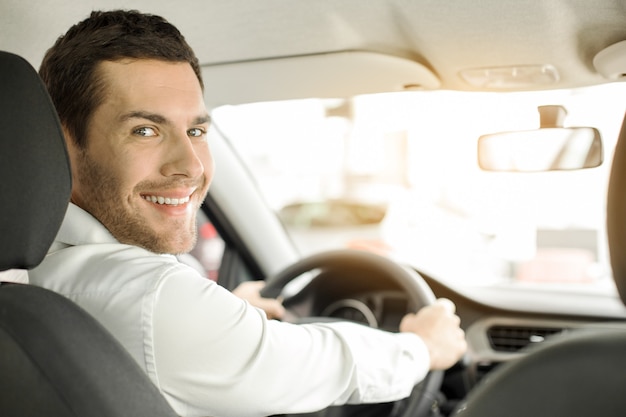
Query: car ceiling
[[444, 37]]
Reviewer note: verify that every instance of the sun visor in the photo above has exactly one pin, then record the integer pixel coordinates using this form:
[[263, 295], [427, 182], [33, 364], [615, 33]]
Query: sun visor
[[334, 75]]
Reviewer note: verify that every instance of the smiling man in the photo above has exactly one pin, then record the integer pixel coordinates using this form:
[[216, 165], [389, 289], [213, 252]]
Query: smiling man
[[146, 167], [129, 94]]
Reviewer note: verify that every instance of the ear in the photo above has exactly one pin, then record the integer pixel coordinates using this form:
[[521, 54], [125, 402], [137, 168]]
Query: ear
[[70, 144], [68, 137], [73, 152]]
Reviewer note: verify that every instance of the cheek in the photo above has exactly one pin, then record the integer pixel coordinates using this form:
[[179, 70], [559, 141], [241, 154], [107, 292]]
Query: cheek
[[205, 155], [130, 168]]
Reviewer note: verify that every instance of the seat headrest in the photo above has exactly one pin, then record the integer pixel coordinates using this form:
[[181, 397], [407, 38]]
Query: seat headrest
[[616, 214], [34, 166]]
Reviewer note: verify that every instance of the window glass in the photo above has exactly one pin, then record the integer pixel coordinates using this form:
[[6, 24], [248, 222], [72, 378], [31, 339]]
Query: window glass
[[207, 254], [398, 174]]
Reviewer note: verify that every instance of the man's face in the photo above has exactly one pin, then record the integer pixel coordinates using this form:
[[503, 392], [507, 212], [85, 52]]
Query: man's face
[[147, 166]]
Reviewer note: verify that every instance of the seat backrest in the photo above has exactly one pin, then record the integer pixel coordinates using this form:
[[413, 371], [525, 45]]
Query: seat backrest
[[577, 375], [35, 170], [55, 359], [616, 214]]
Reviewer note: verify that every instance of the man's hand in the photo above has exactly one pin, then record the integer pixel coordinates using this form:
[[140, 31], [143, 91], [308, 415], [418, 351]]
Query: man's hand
[[439, 328], [251, 292]]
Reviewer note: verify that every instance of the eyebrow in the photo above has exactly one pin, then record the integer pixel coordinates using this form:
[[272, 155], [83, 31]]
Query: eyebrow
[[157, 118]]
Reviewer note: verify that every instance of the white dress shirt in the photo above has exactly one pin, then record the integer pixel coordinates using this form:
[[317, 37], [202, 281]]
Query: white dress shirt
[[19, 276], [209, 352]]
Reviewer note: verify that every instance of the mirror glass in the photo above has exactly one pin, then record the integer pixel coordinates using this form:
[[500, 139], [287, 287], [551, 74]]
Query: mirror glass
[[546, 149]]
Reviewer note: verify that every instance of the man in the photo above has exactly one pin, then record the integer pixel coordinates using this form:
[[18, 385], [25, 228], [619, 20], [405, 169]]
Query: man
[[129, 94]]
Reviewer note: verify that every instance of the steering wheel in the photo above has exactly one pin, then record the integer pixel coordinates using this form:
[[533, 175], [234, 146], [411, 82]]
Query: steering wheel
[[352, 263]]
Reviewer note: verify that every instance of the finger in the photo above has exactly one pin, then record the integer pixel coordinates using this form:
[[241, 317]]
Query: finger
[[447, 304], [258, 284], [273, 309]]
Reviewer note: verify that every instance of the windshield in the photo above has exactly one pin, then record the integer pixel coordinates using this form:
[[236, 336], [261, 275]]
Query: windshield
[[398, 174]]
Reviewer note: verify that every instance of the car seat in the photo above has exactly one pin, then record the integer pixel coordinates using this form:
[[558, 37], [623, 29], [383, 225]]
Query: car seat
[[55, 359], [578, 374]]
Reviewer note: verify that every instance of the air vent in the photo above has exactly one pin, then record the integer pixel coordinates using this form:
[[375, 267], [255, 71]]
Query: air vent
[[514, 338]]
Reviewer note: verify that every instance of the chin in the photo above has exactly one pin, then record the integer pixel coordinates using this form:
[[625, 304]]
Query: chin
[[180, 244]]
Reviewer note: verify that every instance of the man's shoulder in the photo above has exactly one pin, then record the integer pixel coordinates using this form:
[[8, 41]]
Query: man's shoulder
[[106, 267]]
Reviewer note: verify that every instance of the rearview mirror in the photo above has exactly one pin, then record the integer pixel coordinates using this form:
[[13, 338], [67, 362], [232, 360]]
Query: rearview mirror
[[546, 149]]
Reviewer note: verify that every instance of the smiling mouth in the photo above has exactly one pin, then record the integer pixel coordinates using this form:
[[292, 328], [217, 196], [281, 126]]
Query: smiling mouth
[[166, 200]]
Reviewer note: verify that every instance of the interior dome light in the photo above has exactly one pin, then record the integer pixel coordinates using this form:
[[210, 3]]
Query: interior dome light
[[611, 61], [511, 77]]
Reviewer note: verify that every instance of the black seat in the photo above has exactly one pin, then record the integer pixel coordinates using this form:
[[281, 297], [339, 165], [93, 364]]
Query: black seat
[[55, 359], [582, 374]]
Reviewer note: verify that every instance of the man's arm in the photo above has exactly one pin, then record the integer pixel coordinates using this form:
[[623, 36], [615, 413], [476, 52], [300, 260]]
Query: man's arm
[[210, 349]]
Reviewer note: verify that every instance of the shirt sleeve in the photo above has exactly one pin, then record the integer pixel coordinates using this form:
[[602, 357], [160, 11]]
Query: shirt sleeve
[[211, 353]]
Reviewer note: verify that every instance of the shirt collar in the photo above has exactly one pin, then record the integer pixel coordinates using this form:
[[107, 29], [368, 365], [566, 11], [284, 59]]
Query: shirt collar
[[79, 228]]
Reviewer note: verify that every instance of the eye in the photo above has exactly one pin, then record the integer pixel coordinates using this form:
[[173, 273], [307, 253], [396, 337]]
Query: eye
[[145, 131], [196, 132]]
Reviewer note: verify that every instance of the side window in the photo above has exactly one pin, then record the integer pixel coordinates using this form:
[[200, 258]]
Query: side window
[[209, 249], [215, 259], [207, 255]]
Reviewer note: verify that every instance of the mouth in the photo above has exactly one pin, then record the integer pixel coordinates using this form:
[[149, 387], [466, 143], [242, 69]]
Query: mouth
[[167, 201]]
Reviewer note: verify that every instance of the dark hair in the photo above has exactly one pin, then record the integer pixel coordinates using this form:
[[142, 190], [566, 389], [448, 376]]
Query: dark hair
[[69, 68]]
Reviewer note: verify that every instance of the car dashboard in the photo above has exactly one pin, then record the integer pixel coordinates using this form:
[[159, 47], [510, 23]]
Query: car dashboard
[[495, 335]]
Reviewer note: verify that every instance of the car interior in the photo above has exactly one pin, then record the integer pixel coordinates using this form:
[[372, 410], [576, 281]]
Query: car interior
[[548, 339]]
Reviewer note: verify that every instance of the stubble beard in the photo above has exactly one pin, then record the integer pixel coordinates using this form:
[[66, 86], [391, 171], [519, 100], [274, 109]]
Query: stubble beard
[[102, 199]]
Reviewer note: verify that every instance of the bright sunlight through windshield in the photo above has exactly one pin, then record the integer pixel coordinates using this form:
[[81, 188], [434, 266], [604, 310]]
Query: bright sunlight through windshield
[[398, 174]]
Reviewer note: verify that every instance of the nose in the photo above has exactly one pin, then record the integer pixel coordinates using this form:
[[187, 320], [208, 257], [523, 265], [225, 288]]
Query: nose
[[184, 157]]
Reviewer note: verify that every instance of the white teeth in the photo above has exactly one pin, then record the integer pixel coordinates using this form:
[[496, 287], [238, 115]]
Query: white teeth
[[166, 200]]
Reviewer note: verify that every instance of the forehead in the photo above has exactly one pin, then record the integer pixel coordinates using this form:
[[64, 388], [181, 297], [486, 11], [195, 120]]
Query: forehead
[[140, 81]]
